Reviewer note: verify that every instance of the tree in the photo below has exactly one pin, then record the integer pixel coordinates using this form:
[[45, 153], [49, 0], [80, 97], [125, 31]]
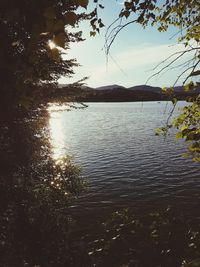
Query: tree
[[185, 16], [34, 35], [35, 190]]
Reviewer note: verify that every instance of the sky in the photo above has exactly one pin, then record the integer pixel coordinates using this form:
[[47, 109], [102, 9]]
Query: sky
[[134, 54]]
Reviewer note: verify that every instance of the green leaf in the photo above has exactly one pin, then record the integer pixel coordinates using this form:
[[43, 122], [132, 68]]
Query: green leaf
[[174, 101], [184, 127], [189, 87], [179, 135], [92, 33]]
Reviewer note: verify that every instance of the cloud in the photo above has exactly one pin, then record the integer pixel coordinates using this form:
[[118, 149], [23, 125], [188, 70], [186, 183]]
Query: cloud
[[120, 3], [130, 67], [145, 55], [141, 59]]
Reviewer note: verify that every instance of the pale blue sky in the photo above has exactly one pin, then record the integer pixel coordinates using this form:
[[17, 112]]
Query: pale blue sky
[[135, 51]]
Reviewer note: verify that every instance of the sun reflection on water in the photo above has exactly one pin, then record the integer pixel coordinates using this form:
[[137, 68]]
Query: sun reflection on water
[[56, 130], [60, 126]]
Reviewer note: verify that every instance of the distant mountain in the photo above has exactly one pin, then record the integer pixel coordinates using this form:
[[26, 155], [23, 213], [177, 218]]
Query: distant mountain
[[62, 85], [178, 89], [146, 88], [113, 93], [110, 87], [117, 93]]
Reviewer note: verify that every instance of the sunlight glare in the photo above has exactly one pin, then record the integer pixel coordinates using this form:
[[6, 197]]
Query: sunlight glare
[[51, 44], [56, 132]]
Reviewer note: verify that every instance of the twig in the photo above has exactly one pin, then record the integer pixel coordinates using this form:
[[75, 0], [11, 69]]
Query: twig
[[169, 64], [194, 67], [107, 47]]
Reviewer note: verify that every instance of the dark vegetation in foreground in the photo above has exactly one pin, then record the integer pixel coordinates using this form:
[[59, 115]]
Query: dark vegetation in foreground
[[35, 192], [37, 228]]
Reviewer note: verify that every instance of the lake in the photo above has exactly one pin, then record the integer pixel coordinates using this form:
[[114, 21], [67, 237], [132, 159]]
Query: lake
[[124, 162]]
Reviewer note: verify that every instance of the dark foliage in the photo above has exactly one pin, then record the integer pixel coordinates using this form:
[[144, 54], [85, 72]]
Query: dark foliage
[[35, 192]]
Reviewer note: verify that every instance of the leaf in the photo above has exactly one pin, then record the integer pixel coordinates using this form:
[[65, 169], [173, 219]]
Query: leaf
[[125, 13], [141, 18], [71, 18], [55, 54], [92, 33], [83, 3], [152, 16], [184, 127], [189, 87], [168, 91], [179, 135], [93, 21], [164, 89], [101, 25], [128, 5], [60, 40], [174, 100]]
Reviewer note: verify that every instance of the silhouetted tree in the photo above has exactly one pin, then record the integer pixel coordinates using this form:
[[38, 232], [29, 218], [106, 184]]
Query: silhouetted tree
[[34, 35]]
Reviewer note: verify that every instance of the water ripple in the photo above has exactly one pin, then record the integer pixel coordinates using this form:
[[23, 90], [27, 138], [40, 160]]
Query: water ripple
[[122, 159]]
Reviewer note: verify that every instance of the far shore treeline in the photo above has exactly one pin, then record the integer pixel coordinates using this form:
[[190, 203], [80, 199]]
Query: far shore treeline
[[113, 93]]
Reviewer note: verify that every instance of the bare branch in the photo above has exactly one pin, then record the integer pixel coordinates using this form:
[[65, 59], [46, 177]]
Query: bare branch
[[180, 75], [117, 31], [171, 62], [174, 54], [170, 114], [177, 33], [193, 69], [115, 62]]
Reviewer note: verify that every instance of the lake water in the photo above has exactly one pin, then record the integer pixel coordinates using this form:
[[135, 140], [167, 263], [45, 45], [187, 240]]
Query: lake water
[[124, 162]]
